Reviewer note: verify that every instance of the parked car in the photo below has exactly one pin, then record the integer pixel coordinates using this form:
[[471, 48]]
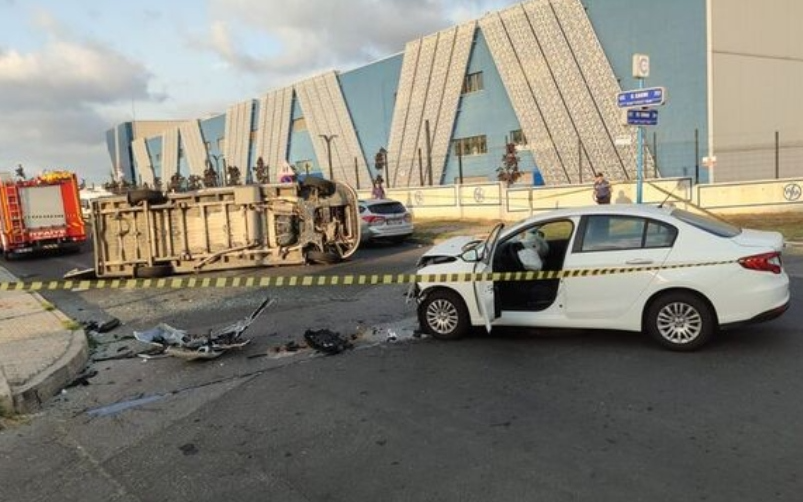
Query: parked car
[[672, 274], [384, 219]]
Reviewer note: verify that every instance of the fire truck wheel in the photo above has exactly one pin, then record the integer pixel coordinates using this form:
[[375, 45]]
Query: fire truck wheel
[[325, 187], [136, 197], [161, 270], [323, 257]]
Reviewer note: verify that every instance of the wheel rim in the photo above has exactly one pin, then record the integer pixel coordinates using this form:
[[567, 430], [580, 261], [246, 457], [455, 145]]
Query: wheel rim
[[442, 316], [679, 322]]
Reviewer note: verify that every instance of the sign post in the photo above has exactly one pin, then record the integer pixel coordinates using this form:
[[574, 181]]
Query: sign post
[[636, 103]]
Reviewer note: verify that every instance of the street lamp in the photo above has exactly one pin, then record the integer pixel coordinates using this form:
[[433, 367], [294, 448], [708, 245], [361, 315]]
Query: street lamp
[[328, 138]]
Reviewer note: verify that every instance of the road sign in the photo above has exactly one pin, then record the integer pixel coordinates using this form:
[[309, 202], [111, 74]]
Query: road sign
[[641, 66], [642, 117], [651, 96]]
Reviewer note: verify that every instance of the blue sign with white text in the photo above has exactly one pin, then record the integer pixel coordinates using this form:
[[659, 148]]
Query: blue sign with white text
[[641, 97], [642, 117]]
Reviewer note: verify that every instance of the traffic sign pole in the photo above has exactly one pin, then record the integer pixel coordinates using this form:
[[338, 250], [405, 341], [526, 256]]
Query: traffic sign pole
[[640, 156]]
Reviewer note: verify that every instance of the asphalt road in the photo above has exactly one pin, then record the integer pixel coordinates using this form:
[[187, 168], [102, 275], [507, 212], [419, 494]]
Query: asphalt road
[[520, 415]]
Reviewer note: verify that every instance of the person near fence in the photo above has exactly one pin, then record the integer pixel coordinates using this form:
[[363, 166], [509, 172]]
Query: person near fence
[[378, 192], [602, 189]]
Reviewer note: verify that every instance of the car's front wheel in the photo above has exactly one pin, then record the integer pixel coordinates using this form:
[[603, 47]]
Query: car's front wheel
[[443, 315], [680, 321]]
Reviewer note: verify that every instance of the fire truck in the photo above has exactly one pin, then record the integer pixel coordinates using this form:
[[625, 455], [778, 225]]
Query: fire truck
[[40, 213]]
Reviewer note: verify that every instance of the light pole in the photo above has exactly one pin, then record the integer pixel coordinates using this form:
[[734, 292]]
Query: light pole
[[328, 138]]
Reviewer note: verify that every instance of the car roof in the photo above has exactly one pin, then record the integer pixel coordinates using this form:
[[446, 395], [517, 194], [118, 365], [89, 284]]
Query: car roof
[[643, 210]]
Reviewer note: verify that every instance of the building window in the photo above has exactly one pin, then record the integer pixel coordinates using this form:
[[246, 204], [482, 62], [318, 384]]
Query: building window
[[208, 146], [473, 83], [518, 138], [181, 153], [299, 124], [158, 157], [221, 144], [474, 145], [252, 137]]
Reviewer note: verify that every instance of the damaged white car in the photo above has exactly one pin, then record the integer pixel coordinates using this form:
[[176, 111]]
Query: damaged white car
[[672, 274]]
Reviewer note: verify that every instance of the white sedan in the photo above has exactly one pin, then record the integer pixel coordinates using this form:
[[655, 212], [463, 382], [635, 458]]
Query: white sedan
[[675, 275]]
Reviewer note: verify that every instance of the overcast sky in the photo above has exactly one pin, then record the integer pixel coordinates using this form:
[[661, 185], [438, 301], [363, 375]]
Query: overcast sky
[[71, 69]]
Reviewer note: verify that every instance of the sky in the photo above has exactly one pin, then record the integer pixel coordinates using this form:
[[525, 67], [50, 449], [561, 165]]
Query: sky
[[72, 69]]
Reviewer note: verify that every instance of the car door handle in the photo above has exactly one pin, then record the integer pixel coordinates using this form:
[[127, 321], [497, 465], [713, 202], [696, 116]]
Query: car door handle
[[639, 261]]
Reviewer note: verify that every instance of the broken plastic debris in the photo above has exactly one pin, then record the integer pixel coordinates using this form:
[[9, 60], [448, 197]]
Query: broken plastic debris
[[178, 343], [392, 336]]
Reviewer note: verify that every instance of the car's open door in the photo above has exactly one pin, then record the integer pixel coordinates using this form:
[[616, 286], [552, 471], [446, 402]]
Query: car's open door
[[484, 289]]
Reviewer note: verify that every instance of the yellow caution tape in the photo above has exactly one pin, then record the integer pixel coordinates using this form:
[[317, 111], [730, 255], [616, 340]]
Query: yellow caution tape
[[331, 280]]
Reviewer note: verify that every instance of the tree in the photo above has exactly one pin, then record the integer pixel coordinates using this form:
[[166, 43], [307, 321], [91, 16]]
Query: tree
[[176, 182], [262, 171], [509, 170], [233, 175]]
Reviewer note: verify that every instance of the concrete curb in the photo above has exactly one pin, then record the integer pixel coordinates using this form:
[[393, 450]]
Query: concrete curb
[[6, 398], [30, 397]]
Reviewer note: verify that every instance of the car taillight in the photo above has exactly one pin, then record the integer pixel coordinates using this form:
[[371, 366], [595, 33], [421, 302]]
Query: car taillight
[[374, 220], [766, 262]]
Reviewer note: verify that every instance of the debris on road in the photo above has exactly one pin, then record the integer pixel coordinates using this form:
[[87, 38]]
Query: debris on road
[[327, 341], [101, 326], [179, 343]]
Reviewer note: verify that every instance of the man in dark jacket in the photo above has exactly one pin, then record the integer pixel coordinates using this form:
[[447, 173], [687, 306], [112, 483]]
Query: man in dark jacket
[[602, 189]]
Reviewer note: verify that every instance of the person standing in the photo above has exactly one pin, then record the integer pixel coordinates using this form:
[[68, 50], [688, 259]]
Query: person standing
[[378, 192], [602, 189]]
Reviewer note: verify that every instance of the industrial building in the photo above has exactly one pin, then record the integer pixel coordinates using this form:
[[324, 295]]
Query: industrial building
[[542, 75]]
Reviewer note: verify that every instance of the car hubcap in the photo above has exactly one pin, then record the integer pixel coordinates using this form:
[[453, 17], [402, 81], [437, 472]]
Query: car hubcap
[[679, 323], [442, 316]]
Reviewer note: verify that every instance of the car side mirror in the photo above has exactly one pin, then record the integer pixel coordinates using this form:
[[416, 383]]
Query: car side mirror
[[471, 255]]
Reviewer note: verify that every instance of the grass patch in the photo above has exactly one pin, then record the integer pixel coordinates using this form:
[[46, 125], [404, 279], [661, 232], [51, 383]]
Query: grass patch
[[434, 231], [71, 325], [48, 306], [789, 224]]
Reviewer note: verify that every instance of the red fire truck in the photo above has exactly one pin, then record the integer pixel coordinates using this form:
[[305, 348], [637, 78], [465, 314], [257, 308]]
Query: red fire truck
[[40, 213]]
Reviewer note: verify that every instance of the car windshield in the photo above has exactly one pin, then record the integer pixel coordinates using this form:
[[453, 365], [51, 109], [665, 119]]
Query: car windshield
[[708, 224]]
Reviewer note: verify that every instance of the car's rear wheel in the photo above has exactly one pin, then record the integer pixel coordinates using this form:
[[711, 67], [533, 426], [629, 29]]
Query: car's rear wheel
[[680, 321], [444, 315]]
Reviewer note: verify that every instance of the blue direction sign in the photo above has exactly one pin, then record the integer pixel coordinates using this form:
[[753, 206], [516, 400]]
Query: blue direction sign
[[642, 117], [641, 97]]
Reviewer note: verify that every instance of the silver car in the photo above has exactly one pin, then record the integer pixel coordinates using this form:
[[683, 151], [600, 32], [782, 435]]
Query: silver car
[[384, 219]]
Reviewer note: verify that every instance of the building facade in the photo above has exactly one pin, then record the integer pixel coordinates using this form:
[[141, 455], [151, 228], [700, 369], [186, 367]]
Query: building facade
[[541, 75]]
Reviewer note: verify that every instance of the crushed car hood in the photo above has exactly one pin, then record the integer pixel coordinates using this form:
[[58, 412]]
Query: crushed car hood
[[759, 238], [451, 247]]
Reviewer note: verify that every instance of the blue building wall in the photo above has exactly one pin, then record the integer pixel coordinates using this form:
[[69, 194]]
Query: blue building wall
[[213, 130], [155, 154], [370, 94], [485, 112], [673, 34], [301, 148], [125, 135]]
